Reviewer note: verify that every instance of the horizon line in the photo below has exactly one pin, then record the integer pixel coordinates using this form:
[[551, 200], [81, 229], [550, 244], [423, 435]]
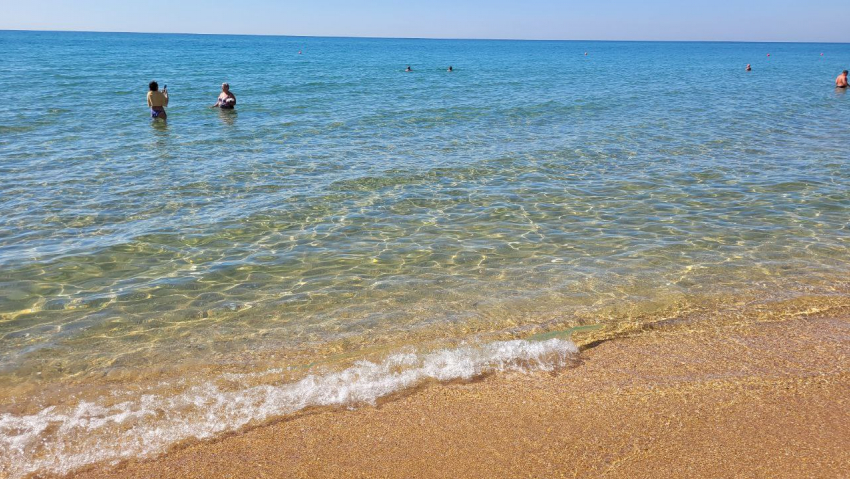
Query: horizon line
[[366, 37]]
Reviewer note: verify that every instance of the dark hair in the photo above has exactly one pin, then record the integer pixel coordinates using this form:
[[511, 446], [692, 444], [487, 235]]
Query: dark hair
[[844, 72], [154, 86]]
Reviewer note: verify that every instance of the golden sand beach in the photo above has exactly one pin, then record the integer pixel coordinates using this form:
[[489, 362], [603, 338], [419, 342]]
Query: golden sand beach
[[759, 399]]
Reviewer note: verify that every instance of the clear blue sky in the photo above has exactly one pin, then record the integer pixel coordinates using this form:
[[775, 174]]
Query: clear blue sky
[[749, 20]]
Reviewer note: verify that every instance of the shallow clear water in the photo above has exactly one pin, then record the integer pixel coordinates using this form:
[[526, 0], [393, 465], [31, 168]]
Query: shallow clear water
[[348, 208]]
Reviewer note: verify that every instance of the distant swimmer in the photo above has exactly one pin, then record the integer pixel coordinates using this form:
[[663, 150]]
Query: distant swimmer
[[158, 100], [226, 100], [749, 67], [450, 69], [841, 81], [408, 69]]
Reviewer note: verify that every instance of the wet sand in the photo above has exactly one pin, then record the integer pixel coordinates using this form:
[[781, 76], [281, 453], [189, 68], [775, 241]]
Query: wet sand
[[768, 399]]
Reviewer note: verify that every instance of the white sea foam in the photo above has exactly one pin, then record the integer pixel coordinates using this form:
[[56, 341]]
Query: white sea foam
[[62, 440]]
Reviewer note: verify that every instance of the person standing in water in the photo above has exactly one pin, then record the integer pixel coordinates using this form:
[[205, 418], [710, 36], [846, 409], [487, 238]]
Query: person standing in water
[[749, 67], [226, 100], [841, 81], [157, 100], [451, 69]]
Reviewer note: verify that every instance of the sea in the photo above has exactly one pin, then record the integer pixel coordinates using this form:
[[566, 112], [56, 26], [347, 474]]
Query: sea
[[353, 230]]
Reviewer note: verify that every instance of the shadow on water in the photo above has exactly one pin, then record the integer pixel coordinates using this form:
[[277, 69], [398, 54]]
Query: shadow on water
[[228, 117], [160, 126], [160, 131]]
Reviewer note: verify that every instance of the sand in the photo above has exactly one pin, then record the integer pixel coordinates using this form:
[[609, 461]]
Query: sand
[[767, 399]]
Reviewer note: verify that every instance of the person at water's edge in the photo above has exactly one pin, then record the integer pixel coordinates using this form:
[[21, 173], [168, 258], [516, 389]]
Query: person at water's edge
[[226, 100], [841, 81], [157, 100]]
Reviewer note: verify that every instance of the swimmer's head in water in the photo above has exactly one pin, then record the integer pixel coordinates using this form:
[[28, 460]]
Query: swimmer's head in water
[[154, 86]]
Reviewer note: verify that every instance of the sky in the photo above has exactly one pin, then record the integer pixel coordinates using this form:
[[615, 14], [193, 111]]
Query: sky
[[720, 20]]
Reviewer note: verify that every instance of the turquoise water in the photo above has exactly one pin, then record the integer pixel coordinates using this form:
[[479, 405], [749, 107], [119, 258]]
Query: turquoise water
[[426, 221]]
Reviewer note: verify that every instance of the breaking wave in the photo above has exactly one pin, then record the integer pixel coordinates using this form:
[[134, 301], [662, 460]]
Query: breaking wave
[[61, 440]]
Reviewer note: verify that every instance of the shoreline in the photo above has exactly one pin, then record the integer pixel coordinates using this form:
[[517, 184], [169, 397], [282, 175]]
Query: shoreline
[[760, 399]]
